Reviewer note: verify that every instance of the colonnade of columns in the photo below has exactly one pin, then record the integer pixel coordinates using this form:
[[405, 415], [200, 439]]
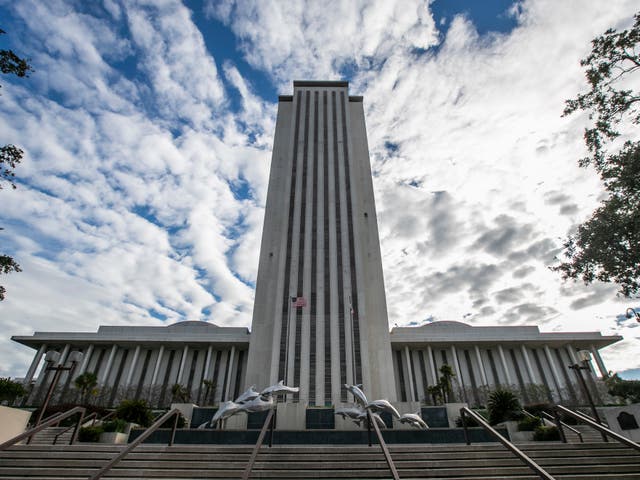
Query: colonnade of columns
[[207, 373], [538, 372]]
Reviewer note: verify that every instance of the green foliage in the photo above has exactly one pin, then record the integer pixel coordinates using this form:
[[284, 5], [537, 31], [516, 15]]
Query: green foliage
[[180, 393], [435, 392], [528, 424], [115, 425], [545, 434], [10, 390], [628, 390], [502, 406], [86, 383], [135, 411], [447, 374], [10, 155], [169, 423], [210, 388], [607, 246], [537, 409], [90, 434]]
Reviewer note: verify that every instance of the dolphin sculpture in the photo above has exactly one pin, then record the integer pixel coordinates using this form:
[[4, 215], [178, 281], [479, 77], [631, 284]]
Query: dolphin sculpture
[[279, 389], [357, 393], [356, 414], [382, 406], [414, 420], [225, 411], [378, 419], [248, 395], [258, 404]]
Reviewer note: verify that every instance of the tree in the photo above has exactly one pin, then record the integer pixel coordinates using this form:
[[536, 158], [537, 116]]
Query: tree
[[86, 383], [180, 393], [628, 390], [10, 155], [607, 246], [10, 390], [445, 382], [210, 388]]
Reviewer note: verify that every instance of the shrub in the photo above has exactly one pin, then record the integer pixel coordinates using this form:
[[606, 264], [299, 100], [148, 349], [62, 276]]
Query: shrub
[[502, 406], [169, 423], [135, 411], [545, 434], [471, 422], [529, 424], [116, 425], [90, 434], [10, 390]]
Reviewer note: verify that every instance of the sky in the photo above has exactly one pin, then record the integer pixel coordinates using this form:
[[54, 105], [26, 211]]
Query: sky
[[148, 127]]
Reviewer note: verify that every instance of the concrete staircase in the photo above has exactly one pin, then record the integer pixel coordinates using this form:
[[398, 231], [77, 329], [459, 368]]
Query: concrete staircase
[[48, 435], [451, 461]]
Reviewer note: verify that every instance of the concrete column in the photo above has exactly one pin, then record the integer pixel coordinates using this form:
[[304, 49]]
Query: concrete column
[[554, 370], [230, 370], [503, 360], [432, 365], [407, 357], [107, 369], [183, 360], [63, 355], [456, 365], [596, 355], [483, 374], [527, 362], [85, 360], [132, 368], [34, 364], [156, 368], [205, 375], [572, 354]]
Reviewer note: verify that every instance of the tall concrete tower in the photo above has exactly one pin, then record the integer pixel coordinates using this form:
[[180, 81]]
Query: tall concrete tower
[[320, 314]]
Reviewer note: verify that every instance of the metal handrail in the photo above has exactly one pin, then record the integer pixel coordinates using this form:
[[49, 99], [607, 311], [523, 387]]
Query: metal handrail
[[84, 420], [542, 473], [53, 420], [268, 424], [545, 415], [601, 428], [383, 445], [157, 424]]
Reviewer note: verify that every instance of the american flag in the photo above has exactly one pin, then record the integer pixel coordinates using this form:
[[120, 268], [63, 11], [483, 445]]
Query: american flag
[[299, 302]]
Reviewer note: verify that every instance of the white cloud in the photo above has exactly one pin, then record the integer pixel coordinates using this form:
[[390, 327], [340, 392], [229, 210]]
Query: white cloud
[[129, 205]]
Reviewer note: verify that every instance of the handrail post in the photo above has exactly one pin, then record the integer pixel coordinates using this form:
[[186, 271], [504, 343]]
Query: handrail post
[[556, 417], [464, 426], [383, 445], [135, 443], [273, 423], [598, 426], [369, 427], [542, 473], [173, 430], [258, 444]]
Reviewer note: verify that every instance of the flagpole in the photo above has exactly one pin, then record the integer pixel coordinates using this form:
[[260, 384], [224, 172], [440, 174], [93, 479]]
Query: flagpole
[[353, 345]]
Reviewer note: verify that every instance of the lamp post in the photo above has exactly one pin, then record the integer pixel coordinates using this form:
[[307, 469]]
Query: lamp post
[[631, 312], [52, 358], [585, 357]]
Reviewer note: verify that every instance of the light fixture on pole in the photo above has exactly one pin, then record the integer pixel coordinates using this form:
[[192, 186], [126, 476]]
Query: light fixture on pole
[[52, 359], [585, 358], [632, 313]]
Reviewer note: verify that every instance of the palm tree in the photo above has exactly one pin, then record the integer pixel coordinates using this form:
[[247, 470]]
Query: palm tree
[[86, 383], [210, 388], [445, 381]]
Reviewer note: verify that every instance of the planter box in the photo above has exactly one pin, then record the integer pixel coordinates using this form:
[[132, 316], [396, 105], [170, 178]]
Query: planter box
[[113, 437]]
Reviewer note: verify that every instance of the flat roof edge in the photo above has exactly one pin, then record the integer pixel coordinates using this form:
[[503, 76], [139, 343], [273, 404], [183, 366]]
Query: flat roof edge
[[320, 83]]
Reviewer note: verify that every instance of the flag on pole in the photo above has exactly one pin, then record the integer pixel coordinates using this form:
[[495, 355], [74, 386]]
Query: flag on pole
[[299, 302]]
